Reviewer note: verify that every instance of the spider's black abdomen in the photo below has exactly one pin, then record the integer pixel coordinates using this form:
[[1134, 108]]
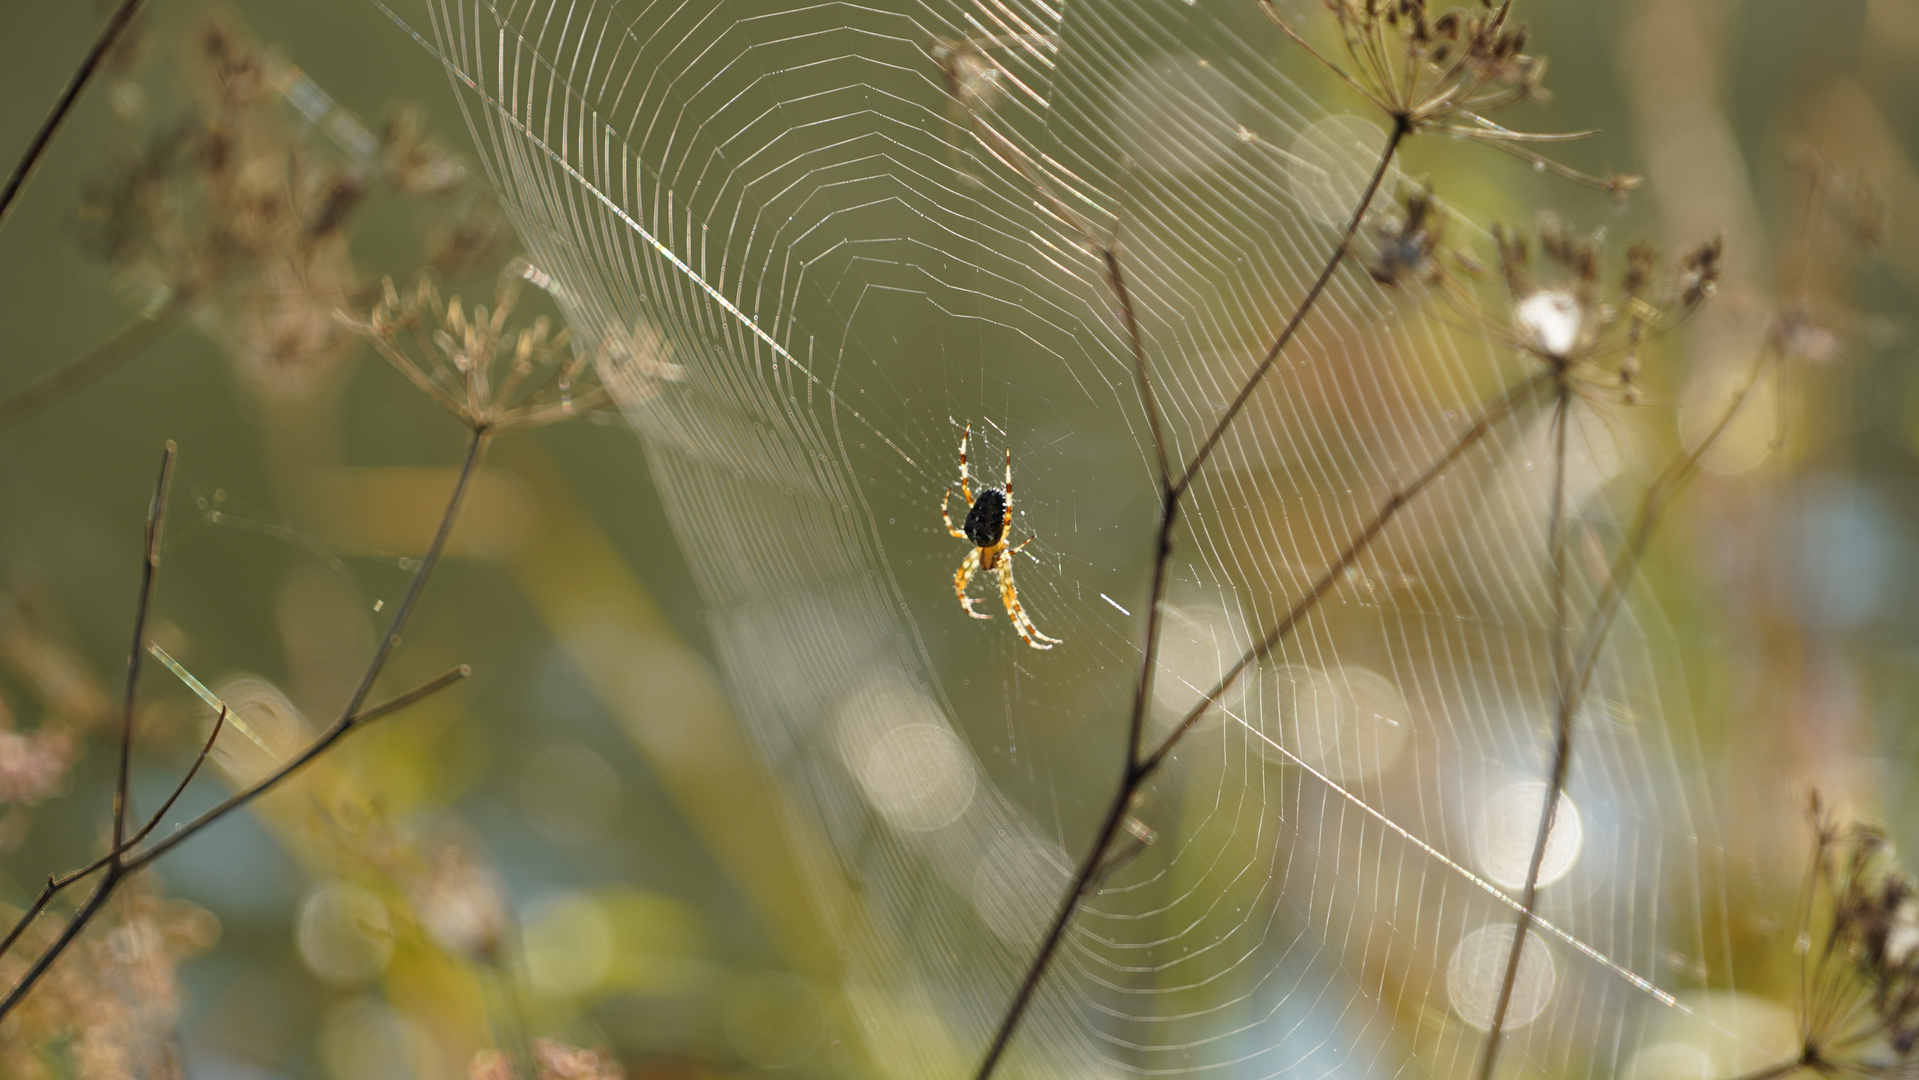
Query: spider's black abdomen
[[986, 521]]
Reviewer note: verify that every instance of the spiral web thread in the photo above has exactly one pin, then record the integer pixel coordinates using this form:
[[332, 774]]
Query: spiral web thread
[[807, 246]]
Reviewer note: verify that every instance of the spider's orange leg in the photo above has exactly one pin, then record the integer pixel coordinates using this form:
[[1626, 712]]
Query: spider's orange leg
[[946, 496], [1006, 523], [966, 480], [1009, 595], [962, 577]]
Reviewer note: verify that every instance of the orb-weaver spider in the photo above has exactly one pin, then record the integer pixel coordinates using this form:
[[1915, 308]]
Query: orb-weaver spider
[[987, 520]]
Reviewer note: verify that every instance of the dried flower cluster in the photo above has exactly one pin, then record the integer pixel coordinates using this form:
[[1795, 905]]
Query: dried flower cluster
[[1587, 335], [1443, 72], [1844, 216], [1429, 70], [108, 1012], [237, 214], [492, 378], [1566, 318], [458, 900], [65, 698], [553, 1059], [1860, 973], [1573, 326]]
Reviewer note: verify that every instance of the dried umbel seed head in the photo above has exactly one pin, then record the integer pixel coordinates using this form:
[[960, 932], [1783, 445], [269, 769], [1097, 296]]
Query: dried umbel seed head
[[414, 163], [238, 215], [112, 1003], [1866, 971], [34, 765], [1577, 255], [458, 901], [1846, 193], [1442, 72], [1515, 256], [1642, 262], [1552, 322], [494, 378], [1564, 314]]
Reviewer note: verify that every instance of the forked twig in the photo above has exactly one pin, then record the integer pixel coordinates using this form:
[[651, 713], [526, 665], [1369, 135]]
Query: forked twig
[[56, 884], [1398, 135], [1174, 493], [149, 570], [319, 745], [1398, 501], [1141, 769], [121, 860]]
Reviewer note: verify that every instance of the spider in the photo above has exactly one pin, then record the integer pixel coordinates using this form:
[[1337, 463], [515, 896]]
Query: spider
[[987, 519]]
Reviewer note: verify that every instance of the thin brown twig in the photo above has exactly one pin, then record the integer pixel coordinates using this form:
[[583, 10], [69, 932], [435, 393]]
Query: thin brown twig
[[292, 765], [1658, 495], [119, 865], [1398, 135], [89, 65], [1117, 281], [1396, 502], [1562, 749], [56, 884], [206, 749], [149, 572], [469, 469]]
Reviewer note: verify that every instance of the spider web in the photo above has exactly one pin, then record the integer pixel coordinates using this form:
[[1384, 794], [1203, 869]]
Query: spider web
[[808, 246]]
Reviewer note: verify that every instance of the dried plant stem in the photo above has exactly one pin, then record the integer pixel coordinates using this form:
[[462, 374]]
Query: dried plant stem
[[23, 170], [350, 716], [1138, 768], [1116, 280], [56, 884], [1562, 746], [85, 369], [1658, 497], [1398, 135], [1142, 768], [121, 861], [1396, 502], [292, 765], [1578, 677], [149, 571], [1174, 493]]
